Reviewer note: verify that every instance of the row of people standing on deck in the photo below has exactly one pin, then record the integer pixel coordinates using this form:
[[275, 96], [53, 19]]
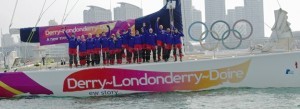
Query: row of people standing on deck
[[111, 47], [136, 48], [162, 42]]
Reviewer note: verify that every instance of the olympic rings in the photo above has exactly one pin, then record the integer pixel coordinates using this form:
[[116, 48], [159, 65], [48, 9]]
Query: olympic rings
[[212, 48], [225, 35], [220, 21], [240, 38], [201, 39], [243, 20]]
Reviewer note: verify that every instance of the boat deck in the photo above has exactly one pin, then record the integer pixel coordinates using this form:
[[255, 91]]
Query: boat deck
[[188, 57]]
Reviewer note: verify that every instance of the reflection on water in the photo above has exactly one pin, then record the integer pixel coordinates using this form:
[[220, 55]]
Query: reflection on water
[[273, 98]]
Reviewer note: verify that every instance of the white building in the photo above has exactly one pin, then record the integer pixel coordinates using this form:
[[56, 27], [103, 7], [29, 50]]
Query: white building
[[55, 51], [127, 11], [52, 23], [240, 13], [214, 10], [231, 16], [96, 14], [197, 16], [187, 17], [254, 11], [7, 40]]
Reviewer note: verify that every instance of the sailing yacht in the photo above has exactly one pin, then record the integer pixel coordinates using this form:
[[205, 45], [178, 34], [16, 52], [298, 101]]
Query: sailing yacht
[[272, 69]]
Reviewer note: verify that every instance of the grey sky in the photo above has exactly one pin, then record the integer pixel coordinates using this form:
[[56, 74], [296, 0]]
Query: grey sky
[[28, 10]]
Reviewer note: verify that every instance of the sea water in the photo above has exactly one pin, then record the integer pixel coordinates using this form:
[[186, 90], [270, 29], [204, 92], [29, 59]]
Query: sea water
[[226, 98]]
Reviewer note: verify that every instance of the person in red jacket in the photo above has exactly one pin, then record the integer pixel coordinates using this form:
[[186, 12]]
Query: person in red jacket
[[160, 37], [151, 39], [119, 41], [168, 41], [82, 50], [144, 45], [125, 36], [105, 46], [97, 43], [138, 47], [177, 44], [90, 50], [112, 49], [130, 48], [72, 48]]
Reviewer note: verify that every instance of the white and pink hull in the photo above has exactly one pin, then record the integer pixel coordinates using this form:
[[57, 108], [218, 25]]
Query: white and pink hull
[[260, 71]]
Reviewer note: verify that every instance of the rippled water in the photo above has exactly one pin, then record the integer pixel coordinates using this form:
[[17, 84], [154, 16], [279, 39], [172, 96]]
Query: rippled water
[[240, 98]]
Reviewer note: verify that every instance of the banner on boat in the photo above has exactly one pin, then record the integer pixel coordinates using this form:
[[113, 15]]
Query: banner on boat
[[19, 83], [150, 81], [113, 81], [55, 34]]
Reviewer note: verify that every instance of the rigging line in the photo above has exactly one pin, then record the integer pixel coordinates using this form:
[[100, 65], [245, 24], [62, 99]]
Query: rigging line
[[268, 26], [42, 8], [32, 31], [30, 36], [62, 21], [70, 11], [279, 4], [40, 16], [12, 18], [48, 7], [39, 19]]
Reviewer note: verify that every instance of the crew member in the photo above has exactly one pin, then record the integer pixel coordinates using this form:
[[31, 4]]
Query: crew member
[[72, 48], [82, 50], [130, 47], [160, 35], [90, 50], [144, 45], [151, 43], [125, 37], [97, 43], [119, 43], [112, 49], [168, 40], [138, 47], [104, 44], [177, 44]]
